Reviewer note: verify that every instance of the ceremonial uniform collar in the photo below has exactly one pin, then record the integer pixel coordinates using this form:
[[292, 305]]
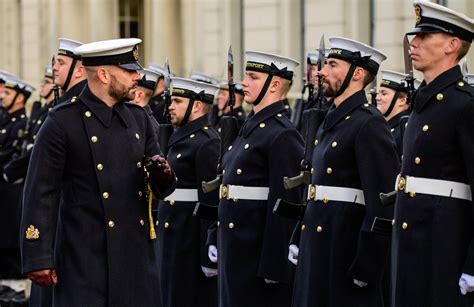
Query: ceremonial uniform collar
[[335, 115], [148, 110], [73, 91], [237, 110], [17, 115], [395, 121], [254, 120], [102, 111], [188, 129], [425, 92]]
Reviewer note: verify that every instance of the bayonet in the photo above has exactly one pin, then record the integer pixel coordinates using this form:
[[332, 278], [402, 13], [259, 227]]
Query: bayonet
[[410, 80], [321, 63], [230, 80]]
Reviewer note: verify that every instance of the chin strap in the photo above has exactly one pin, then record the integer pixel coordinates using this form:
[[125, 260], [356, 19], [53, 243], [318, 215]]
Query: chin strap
[[264, 89], [12, 103], [69, 74], [347, 79], [392, 104], [188, 113]]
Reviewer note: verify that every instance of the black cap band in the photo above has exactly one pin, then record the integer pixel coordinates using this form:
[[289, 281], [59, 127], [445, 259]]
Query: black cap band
[[428, 24], [269, 69], [355, 58], [69, 54], [399, 87], [202, 96], [147, 84]]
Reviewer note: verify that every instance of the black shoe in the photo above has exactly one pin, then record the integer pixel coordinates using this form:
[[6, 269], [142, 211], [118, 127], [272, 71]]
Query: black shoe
[[3, 289], [7, 296]]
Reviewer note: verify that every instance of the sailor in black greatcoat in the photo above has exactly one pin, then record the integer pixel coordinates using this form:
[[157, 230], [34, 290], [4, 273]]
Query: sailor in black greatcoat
[[87, 225], [433, 238]]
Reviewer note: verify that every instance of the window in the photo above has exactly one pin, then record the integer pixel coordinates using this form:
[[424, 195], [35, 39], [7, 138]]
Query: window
[[131, 13]]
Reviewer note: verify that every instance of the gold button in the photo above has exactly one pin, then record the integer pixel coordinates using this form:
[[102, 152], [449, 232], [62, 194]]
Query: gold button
[[178, 156], [439, 97], [366, 105], [319, 229], [139, 164], [14, 119], [140, 193], [206, 128], [347, 117], [412, 194], [393, 222], [167, 225], [142, 222], [246, 146], [316, 142], [334, 144], [329, 170], [460, 83], [303, 227], [231, 225], [39, 122], [417, 160], [235, 199], [100, 167], [262, 125], [22, 116], [105, 195], [88, 113], [157, 223], [312, 171], [325, 200], [219, 130], [111, 224], [404, 225], [279, 115], [171, 202], [137, 136], [218, 223], [191, 136], [94, 139], [73, 99], [392, 130], [312, 191], [425, 128], [239, 171], [230, 147], [4, 131]]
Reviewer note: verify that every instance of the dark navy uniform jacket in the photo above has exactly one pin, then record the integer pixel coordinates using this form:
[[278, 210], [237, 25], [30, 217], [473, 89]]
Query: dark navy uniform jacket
[[193, 155], [251, 240], [86, 176], [72, 92], [353, 149], [10, 193], [433, 235], [395, 129]]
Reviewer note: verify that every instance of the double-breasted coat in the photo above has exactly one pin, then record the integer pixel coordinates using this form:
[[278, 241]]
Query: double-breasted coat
[[181, 237], [86, 177], [433, 235], [251, 240], [353, 149]]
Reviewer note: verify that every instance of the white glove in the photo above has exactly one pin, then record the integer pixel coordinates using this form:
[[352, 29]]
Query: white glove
[[212, 253], [209, 272], [269, 281], [293, 254], [466, 283], [360, 283]]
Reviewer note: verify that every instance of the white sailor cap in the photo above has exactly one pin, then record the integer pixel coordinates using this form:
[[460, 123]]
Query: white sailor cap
[[432, 17], [313, 57], [48, 71], [19, 86], [5, 74], [201, 77], [148, 78], [394, 80], [356, 53], [157, 69], [469, 78], [122, 52], [193, 89], [67, 46], [271, 64]]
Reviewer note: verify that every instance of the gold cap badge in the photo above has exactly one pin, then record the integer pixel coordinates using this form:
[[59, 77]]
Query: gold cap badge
[[32, 233], [136, 55], [418, 14]]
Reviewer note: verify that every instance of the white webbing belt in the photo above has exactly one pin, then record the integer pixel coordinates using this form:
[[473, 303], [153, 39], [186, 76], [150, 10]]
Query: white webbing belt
[[329, 193], [183, 195], [243, 192], [435, 187]]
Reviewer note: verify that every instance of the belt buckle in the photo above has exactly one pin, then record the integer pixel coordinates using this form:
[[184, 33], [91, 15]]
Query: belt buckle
[[224, 191], [311, 192], [401, 183]]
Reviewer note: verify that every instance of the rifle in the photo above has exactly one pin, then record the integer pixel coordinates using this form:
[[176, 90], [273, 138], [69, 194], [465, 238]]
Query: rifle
[[165, 130], [55, 86]]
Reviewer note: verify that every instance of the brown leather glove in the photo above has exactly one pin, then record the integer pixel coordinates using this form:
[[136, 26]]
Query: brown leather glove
[[46, 277]]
